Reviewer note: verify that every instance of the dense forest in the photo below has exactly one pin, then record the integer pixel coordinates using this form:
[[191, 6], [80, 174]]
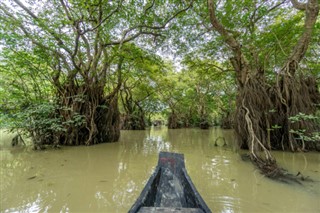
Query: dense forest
[[75, 72]]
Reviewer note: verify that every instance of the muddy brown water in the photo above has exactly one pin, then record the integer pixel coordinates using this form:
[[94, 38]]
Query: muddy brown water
[[110, 177]]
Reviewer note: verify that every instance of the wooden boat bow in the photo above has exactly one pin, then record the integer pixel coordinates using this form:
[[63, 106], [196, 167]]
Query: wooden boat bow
[[170, 189]]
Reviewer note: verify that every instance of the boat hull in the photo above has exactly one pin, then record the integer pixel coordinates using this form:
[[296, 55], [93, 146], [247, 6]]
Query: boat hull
[[170, 189]]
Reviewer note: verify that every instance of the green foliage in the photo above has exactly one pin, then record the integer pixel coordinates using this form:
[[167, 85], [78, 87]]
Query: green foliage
[[276, 126], [41, 122], [140, 71], [84, 47], [303, 133], [213, 87], [202, 91], [113, 46], [27, 103], [301, 116], [25, 92]]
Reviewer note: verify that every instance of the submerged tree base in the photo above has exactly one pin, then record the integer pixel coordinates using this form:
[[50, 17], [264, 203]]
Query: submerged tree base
[[132, 122], [101, 116], [82, 115], [272, 171], [264, 120]]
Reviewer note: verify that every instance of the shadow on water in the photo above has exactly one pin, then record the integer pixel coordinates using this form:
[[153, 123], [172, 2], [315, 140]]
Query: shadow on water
[[109, 177]]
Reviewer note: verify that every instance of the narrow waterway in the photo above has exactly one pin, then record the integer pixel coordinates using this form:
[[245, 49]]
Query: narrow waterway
[[110, 177]]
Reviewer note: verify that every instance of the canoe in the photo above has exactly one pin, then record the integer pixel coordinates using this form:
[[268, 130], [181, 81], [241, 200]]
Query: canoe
[[170, 189]]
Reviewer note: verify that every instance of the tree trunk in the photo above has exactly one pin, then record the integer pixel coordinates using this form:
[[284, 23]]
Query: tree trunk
[[291, 97], [204, 122], [88, 116], [227, 121], [255, 100], [173, 121], [133, 122], [134, 117]]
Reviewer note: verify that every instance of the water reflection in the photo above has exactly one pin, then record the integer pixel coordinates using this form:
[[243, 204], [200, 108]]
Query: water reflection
[[109, 177]]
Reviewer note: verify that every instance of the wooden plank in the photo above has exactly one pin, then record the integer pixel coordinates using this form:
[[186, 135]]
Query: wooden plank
[[168, 210]]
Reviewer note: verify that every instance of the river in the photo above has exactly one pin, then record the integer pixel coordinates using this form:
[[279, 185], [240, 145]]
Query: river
[[109, 177]]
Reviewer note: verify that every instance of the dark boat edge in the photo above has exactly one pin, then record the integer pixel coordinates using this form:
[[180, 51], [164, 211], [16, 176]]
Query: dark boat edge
[[203, 206], [146, 193]]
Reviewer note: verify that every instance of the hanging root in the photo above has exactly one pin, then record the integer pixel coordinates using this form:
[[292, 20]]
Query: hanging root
[[266, 165], [262, 120], [254, 138], [17, 140]]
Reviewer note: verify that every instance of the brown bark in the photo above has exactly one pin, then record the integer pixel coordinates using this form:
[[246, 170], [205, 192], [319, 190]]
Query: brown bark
[[134, 116], [311, 9], [291, 88], [174, 121], [255, 98], [238, 61]]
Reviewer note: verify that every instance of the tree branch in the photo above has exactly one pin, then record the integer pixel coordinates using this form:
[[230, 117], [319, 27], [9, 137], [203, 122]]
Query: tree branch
[[300, 6], [229, 39], [149, 7], [55, 36], [143, 28], [271, 9], [104, 19], [168, 20], [311, 11], [134, 36], [239, 62], [34, 41], [79, 34]]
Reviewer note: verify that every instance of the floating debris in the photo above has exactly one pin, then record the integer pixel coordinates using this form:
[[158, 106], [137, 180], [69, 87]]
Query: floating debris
[[32, 177]]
